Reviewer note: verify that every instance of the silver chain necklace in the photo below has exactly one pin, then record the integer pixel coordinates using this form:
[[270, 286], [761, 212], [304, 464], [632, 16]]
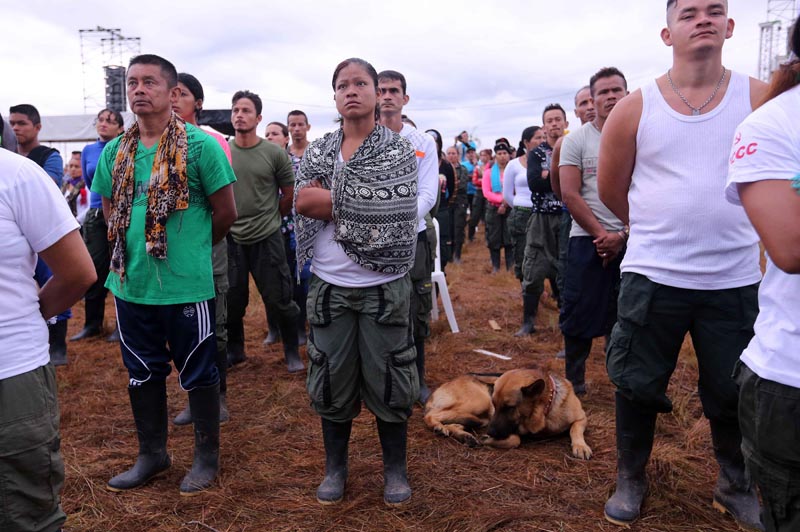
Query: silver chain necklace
[[696, 110]]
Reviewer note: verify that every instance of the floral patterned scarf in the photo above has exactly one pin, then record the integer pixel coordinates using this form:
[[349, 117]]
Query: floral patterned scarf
[[168, 191]]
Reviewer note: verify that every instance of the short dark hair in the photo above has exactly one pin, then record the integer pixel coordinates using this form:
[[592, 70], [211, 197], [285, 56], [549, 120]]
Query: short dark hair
[[167, 68], [116, 114], [76, 153], [252, 96], [194, 86], [28, 110], [606, 72], [296, 112], [355, 61], [393, 75], [554, 107], [580, 91]]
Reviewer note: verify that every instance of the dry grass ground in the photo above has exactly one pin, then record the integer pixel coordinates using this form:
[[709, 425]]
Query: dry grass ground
[[272, 457]]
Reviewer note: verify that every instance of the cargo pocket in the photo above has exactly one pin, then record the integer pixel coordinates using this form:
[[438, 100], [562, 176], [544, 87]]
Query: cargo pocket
[[777, 422], [318, 303], [402, 381], [635, 298], [393, 302], [318, 378]]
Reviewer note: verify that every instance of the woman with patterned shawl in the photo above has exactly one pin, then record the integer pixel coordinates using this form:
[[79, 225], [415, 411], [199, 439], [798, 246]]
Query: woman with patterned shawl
[[356, 200]]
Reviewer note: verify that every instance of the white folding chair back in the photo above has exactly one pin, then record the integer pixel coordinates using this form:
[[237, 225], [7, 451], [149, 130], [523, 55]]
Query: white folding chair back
[[439, 282]]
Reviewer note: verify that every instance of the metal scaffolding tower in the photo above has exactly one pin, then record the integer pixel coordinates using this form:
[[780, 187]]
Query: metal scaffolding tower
[[104, 54], [774, 48]]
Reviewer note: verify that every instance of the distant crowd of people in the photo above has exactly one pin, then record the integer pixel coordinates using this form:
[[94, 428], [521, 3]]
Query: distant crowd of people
[[645, 221]]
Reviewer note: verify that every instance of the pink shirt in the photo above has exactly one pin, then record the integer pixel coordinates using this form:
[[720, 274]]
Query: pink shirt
[[494, 198], [222, 142]]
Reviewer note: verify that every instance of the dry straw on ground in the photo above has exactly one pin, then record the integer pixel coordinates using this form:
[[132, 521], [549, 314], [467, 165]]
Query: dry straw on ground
[[272, 458]]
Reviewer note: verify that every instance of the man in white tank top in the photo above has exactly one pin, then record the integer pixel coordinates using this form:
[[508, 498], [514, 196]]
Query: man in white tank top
[[692, 262]]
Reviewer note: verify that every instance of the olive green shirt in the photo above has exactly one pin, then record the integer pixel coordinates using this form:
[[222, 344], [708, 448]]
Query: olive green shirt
[[260, 171]]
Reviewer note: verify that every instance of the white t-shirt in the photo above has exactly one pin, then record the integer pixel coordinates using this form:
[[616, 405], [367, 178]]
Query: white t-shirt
[[427, 171], [331, 264], [582, 149], [767, 147], [33, 217], [515, 185]]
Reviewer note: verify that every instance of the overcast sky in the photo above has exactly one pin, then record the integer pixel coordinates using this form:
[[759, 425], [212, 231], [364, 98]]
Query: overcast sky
[[487, 67]]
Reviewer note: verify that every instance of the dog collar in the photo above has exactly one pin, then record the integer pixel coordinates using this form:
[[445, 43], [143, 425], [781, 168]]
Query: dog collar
[[552, 395]]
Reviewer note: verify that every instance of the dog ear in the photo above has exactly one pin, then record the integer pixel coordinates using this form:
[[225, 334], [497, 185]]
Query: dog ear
[[534, 389]]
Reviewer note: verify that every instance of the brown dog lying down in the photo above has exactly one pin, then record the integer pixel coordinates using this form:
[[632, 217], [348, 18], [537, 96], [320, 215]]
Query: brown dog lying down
[[519, 402]]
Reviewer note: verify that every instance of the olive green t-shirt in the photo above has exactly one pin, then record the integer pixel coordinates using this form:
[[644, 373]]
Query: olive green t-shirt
[[260, 173], [185, 276]]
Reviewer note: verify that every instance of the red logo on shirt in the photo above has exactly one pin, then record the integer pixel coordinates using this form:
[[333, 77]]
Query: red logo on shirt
[[744, 151], [738, 138]]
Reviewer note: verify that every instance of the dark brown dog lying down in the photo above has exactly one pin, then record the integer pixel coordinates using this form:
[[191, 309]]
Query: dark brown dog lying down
[[519, 402]]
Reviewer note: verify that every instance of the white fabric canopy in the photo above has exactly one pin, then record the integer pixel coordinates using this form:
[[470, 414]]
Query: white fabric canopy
[[73, 128]]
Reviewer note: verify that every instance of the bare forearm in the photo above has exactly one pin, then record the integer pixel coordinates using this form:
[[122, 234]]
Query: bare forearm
[[617, 202], [73, 273], [285, 205], [314, 202], [582, 214]]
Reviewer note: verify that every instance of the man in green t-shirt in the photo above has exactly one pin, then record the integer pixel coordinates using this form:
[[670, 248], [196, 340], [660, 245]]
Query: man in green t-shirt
[[264, 191], [167, 195]]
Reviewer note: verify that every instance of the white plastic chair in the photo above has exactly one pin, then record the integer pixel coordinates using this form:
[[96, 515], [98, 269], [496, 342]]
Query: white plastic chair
[[438, 280]]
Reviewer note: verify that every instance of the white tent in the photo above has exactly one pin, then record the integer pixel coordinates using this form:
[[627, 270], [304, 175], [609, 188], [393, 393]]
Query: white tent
[[72, 128]]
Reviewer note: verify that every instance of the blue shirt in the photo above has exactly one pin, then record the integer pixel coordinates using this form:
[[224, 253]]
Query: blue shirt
[[54, 166], [89, 157], [471, 170]]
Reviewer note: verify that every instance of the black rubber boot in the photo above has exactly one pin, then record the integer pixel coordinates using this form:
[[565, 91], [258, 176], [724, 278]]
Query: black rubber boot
[[509, 254], [457, 252], [336, 437], [288, 328], [235, 349], [494, 255], [424, 392], [58, 342], [576, 351], [204, 403], [396, 490], [635, 430], [734, 493], [530, 305], [300, 297], [274, 332], [149, 406], [222, 368], [94, 320]]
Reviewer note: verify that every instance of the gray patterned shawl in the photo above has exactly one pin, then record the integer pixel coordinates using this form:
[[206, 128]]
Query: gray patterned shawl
[[374, 200]]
